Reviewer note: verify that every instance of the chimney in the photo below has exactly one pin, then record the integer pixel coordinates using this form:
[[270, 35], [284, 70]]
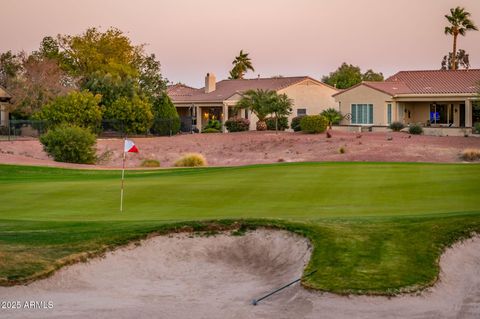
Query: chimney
[[210, 83]]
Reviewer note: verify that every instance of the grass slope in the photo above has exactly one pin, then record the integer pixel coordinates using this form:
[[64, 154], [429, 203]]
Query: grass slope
[[376, 227]]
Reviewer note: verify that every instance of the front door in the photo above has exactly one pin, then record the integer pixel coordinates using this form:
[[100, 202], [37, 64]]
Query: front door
[[462, 115]]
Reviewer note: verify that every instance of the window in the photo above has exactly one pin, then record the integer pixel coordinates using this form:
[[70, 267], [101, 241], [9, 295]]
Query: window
[[301, 112], [246, 114], [362, 113], [389, 113]]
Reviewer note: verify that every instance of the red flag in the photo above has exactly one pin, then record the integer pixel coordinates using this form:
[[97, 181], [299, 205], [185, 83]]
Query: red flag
[[130, 147]]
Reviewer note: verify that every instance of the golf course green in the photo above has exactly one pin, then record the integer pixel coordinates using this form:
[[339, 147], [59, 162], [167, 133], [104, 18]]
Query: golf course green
[[376, 228]]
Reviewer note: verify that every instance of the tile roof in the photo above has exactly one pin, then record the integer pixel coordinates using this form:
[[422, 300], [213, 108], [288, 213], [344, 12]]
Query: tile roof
[[428, 82], [4, 96], [180, 90], [226, 88]]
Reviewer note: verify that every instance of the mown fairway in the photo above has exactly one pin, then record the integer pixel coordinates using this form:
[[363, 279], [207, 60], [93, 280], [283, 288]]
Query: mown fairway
[[376, 227]]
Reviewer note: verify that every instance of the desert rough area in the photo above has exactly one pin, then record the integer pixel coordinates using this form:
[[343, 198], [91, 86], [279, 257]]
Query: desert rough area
[[244, 148]]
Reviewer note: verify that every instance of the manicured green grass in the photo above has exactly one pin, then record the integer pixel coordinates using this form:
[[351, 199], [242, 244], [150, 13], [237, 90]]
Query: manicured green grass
[[376, 227]]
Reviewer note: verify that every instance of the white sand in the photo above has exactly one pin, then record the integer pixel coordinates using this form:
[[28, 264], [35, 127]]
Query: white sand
[[217, 277]]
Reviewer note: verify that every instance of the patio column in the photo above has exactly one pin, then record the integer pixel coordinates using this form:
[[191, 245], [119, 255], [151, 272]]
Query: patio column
[[468, 113], [198, 112], [224, 117]]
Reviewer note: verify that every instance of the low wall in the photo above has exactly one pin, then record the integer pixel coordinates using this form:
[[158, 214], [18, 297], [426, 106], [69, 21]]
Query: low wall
[[433, 131]]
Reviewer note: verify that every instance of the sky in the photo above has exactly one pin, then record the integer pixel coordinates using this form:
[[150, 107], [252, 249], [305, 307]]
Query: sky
[[282, 37]]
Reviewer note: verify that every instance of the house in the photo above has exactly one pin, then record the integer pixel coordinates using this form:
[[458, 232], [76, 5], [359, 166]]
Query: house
[[218, 99], [439, 99], [4, 99]]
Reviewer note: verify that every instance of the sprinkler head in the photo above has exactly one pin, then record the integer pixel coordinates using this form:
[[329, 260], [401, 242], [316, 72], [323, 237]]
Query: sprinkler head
[[254, 302]]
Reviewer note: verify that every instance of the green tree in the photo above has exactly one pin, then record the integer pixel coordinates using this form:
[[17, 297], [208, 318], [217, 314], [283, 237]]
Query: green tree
[[111, 87], [77, 108], [280, 106], [460, 23], [241, 65], [345, 76], [371, 75], [10, 67], [333, 116], [462, 60], [151, 82], [258, 102], [132, 115], [166, 120]]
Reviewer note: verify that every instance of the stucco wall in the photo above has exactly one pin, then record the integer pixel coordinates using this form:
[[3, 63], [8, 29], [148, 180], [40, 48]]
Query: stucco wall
[[365, 95]]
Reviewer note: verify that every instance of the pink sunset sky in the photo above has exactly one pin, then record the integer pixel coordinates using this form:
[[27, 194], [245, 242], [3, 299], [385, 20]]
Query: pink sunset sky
[[283, 37]]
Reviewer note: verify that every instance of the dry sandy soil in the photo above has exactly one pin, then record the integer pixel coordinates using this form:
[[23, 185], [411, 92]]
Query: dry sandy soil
[[180, 276], [260, 147]]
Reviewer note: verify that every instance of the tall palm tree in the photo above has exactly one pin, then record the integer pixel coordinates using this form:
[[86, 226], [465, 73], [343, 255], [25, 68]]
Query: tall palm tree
[[460, 23], [241, 65]]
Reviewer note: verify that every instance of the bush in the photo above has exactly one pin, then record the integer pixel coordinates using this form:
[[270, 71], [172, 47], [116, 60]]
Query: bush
[[150, 163], [210, 130], [477, 127], [415, 129], [215, 124], [133, 116], [165, 116], [71, 144], [295, 125], [191, 160], [396, 126], [333, 116], [471, 154], [237, 124], [313, 124], [77, 108], [282, 123]]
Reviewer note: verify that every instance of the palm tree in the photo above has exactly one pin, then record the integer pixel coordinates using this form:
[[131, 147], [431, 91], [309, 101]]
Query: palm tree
[[280, 106], [332, 115], [241, 65], [460, 23], [258, 102]]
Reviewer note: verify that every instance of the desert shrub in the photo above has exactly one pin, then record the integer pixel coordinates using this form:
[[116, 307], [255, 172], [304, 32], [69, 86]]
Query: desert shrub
[[191, 160], [295, 125], [77, 108], [211, 130], [396, 126], [71, 144], [165, 116], [471, 154], [415, 129], [342, 150], [237, 124], [215, 124], [282, 123], [150, 163], [333, 116], [313, 124], [477, 127], [132, 115]]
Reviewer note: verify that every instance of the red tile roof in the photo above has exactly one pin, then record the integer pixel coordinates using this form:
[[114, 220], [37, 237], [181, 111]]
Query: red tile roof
[[428, 82], [226, 88]]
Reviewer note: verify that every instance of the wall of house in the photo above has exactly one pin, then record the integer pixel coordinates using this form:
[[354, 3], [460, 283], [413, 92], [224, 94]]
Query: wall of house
[[365, 95], [310, 95]]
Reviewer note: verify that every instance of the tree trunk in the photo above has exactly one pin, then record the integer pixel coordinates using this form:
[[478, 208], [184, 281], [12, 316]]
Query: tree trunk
[[276, 124], [454, 53]]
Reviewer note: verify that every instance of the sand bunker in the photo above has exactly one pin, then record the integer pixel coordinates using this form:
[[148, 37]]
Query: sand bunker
[[217, 277]]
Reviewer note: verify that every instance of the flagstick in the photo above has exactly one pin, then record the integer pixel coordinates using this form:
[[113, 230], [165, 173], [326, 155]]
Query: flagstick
[[123, 177]]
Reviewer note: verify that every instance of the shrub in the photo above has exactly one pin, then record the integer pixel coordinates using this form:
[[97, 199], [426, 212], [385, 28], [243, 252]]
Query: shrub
[[477, 127], [71, 144], [77, 108], [215, 124], [415, 129], [313, 124], [295, 125], [165, 116], [333, 116], [191, 160], [471, 154], [396, 126], [211, 130], [150, 163], [342, 150], [237, 124], [282, 123], [132, 115]]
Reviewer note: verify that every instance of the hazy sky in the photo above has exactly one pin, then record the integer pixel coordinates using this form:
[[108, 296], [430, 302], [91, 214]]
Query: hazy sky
[[283, 37]]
